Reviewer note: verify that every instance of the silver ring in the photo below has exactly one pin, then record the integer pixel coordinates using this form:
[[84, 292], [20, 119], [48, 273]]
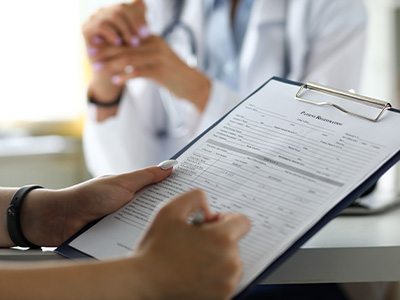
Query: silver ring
[[129, 69]]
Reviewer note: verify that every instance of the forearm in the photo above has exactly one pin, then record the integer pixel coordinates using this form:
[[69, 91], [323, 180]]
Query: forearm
[[5, 199], [90, 280], [41, 216], [197, 88]]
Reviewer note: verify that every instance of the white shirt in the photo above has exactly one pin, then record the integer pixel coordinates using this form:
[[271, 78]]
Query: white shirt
[[326, 45]]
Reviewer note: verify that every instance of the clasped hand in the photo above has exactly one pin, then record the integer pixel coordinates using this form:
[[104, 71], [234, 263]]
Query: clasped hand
[[121, 47]]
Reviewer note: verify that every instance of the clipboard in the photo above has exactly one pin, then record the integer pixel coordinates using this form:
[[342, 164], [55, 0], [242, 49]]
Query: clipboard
[[70, 252]]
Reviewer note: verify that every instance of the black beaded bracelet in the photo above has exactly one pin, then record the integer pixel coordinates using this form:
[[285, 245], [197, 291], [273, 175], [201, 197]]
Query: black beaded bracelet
[[113, 103], [14, 219]]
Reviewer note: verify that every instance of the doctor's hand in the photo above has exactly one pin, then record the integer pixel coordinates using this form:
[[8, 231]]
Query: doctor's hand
[[123, 23], [49, 217], [153, 59], [177, 260], [117, 25]]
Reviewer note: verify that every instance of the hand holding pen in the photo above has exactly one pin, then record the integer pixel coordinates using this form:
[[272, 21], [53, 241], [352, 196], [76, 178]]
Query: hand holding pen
[[206, 254]]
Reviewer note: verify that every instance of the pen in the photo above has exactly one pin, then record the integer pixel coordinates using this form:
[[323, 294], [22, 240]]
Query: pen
[[196, 218]]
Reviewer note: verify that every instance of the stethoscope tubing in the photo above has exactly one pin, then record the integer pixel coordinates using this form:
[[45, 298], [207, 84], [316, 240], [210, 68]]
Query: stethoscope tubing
[[175, 124]]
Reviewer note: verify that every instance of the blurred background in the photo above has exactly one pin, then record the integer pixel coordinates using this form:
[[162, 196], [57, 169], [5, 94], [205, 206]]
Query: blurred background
[[43, 75]]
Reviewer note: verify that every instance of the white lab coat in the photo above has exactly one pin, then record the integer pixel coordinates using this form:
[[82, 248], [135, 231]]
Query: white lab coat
[[326, 45]]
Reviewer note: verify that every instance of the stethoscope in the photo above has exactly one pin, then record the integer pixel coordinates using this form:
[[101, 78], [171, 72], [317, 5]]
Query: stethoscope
[[175, 126], [176, 23]]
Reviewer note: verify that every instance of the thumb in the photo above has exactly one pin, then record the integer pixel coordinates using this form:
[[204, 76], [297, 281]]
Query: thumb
[[135, 181]]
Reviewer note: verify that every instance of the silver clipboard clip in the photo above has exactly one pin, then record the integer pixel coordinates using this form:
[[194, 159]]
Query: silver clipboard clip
[[381, 105]]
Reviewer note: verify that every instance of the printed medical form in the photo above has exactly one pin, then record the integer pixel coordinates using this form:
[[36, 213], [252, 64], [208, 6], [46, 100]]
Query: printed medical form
[[281, 162]]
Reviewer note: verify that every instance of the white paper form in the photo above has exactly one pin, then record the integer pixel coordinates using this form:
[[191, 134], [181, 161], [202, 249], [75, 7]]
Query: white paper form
[[282, 162]]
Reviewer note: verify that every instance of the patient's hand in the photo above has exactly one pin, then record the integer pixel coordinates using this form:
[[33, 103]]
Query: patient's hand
[[49, 217], [177, 260]]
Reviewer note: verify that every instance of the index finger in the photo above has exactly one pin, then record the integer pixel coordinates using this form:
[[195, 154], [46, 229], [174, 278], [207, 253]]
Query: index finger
[[186, 204], [234, 225], [135, 15]]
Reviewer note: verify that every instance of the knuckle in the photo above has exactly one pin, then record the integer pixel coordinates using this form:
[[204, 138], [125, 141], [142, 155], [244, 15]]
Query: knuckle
[[88, 27], [122, 6], [138, 6], [164, 211], [116, 14], [126, 61], [108, 71], [103, 23], [222, 241], [199, 195], [99, 11]]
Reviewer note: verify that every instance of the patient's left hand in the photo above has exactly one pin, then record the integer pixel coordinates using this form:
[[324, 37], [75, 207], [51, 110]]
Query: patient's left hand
[[49, 217]]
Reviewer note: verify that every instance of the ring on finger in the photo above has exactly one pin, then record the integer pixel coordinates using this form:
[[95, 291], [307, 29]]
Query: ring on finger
[[129, 69]]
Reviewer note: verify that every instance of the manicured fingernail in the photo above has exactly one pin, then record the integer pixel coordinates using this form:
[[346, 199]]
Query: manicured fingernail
[[167, 164], [97, 40], [129, 69], [116, 79], [135, 41], [97, 66], [118, 41], [144, 31], [92, 51]]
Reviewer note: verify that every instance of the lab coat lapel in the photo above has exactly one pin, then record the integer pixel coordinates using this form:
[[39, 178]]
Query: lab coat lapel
[[254, 58]]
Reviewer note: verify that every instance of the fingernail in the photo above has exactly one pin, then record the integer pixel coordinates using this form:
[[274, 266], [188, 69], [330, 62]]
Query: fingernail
[[97, 40], [167, 164], [92, 51], [116, 79], [118, 41], [135, 41], [97, 66], [214, 218], [129, 69], [144, 31]]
